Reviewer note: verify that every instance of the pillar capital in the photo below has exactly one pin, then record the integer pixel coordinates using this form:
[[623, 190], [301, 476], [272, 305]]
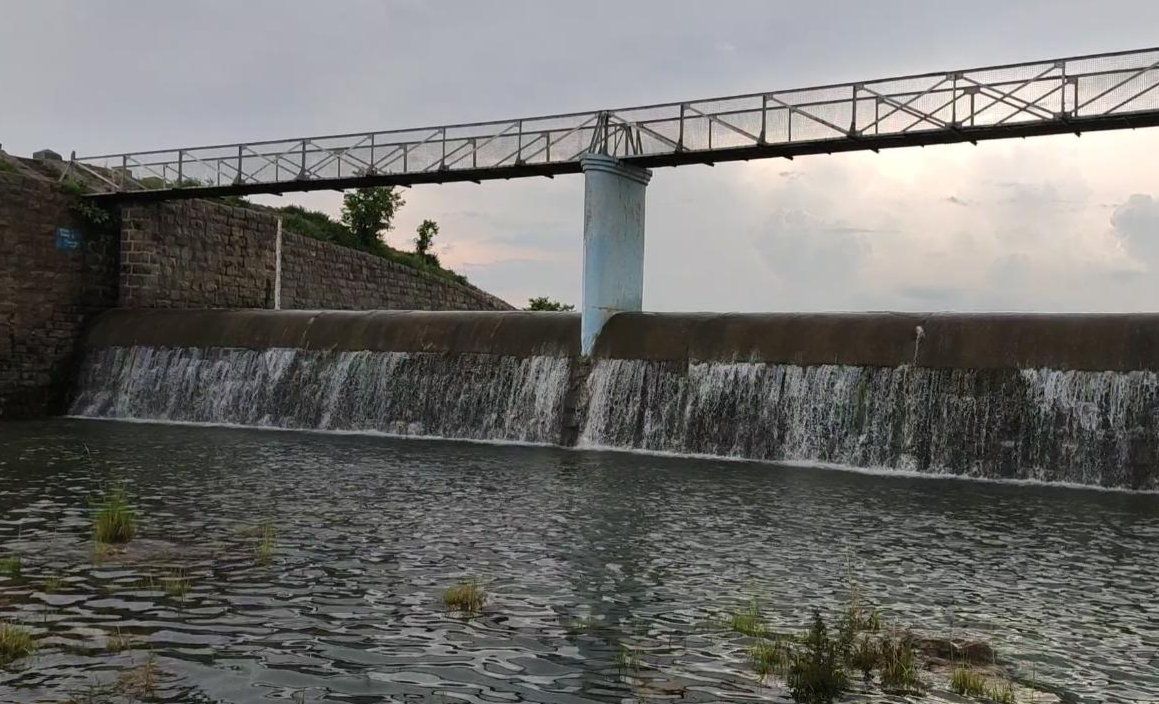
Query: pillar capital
[[612, 165]]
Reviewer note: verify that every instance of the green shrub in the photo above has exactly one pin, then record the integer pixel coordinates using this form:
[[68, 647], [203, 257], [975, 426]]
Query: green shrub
[[816, 675]]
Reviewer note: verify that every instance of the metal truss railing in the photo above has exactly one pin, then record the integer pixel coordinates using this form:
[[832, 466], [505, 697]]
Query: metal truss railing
[[1104, 91]]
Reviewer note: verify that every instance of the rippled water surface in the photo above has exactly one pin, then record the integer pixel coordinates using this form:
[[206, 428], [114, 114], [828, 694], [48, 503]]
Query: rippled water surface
[[369, 531]]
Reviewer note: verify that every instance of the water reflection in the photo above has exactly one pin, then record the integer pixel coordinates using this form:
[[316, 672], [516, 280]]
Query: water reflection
[[369, 531]]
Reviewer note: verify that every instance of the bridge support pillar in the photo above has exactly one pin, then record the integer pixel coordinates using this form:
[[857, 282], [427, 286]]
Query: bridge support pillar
[[613, 242]]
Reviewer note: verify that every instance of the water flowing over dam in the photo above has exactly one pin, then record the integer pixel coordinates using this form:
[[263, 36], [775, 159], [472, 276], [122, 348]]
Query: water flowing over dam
[[1051, 398]]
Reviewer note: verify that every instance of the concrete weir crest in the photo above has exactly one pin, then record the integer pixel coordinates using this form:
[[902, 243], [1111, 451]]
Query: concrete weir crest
[[613, 242]]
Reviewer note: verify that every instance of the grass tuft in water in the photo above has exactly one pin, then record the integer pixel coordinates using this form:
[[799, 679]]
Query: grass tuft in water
[[176, 584], [968, 682], [899, 671], [865, 656], [771, 657], [585, 625], [1001, 691], [750, 622], [467, 597], [264, 551], [627, 659], [116, 519], [117, 642], [141, 681], [10, 566], [15, 643], [816, 675]]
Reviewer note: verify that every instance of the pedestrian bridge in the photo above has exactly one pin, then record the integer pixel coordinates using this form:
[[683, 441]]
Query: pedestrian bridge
[[1057, 96], [615, 149]]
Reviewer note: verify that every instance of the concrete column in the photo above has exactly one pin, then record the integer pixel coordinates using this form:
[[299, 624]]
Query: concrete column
[[613, 242]]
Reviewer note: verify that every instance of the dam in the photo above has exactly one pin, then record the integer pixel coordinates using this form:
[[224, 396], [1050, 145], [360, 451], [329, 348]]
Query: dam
[[1050, 398], [608, 506]]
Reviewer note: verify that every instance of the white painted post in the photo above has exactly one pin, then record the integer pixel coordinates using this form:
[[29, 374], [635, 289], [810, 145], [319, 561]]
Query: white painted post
[[613, 242], [278, 268]]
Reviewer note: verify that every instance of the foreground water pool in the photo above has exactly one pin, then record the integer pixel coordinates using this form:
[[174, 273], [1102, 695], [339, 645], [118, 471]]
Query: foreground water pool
[[367, 533]]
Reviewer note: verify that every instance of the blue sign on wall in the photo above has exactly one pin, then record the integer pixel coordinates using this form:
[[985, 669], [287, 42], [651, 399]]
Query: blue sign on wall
[[67, 239]]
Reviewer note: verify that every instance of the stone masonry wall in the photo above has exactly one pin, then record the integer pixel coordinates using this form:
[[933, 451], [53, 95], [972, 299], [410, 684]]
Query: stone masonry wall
[[319, 276], [48, 291], [197, 254], [183, 254]]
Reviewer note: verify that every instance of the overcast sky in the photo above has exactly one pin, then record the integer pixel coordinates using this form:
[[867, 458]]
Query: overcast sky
[[1053, 223]]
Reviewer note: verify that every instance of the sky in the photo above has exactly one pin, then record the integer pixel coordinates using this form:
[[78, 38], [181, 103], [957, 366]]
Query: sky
[[1043, 224]]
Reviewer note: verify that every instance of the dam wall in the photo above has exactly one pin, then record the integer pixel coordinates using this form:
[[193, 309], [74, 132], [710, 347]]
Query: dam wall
[[64, 260], [1071, 398]]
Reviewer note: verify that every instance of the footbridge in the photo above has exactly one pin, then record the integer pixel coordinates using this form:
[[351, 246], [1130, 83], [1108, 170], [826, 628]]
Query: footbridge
[[616, 149]]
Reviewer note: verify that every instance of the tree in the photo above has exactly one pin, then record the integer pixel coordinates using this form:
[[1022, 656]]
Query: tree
[[369, 214], [545, 303], [426, 235]]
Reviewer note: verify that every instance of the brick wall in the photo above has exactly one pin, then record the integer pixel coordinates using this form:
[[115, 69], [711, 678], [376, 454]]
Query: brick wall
[[196, 254], [319, 276], [47, 294]]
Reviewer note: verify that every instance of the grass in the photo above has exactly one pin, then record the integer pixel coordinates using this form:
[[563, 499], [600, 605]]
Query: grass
[[899, 670], [116, 520], [15, 643], [1001, 691], [865, 656], [264, 551], [770, 657], [141, 681], [467, 597], [52, 584], [627, 659], [585, 625], [176, 584], [117, 642], [10, 566], [968, 682], [750, 622]]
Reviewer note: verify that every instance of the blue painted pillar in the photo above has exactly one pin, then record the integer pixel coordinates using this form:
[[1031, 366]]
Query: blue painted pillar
[[613, 242]]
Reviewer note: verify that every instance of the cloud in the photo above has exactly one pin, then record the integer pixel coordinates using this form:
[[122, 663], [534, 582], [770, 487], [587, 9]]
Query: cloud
[[1136, 224]]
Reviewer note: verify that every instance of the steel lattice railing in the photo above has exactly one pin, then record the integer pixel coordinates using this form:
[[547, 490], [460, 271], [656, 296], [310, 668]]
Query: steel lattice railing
[[1104, 91]]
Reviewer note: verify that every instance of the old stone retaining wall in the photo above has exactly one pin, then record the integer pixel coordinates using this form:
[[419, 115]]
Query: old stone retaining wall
[[197, 254], [321, 276], [201, 254], [50, 285]]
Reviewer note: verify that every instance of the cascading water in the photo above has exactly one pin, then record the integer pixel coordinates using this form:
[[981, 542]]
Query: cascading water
[[1084, 427], [1064, 426], [471, 396]]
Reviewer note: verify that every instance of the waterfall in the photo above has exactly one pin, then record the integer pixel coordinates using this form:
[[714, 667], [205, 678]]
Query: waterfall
[[472, 396], [1096, 428]]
